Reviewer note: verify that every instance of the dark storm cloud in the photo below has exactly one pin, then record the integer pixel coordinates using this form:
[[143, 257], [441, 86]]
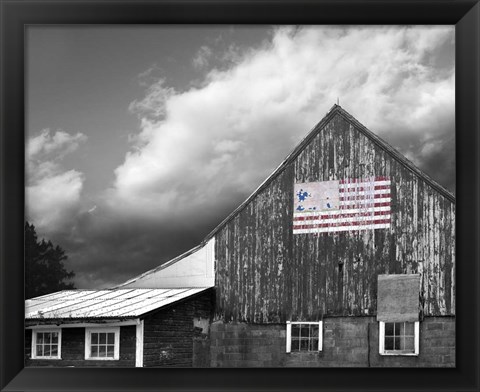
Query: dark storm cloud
[[433, 153], [106, 249]]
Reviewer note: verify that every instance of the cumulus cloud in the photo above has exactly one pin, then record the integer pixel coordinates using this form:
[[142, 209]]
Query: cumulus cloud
[[56, 146], [201, 59], [52, 193], [153, 106], [211, 144]]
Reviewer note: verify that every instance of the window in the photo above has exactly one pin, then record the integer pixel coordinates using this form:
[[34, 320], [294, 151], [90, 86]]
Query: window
[[46, 344], [397, 313], [304, 336], [102, 343], [399, 338]]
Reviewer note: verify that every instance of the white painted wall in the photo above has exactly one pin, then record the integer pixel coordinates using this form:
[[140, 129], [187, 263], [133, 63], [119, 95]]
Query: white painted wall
[[195, 270]]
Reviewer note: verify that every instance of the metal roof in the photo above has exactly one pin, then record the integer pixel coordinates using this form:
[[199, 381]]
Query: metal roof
[[101, 304]]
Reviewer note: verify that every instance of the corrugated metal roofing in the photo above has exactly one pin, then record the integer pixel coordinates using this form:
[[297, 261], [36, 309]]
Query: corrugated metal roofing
[[109, 303]]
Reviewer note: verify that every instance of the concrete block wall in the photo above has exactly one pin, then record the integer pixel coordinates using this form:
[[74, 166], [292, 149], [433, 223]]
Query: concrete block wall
[[247, 345], [347, 342], [437, 346]]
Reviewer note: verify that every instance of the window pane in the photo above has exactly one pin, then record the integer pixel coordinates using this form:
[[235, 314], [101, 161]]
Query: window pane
[[388, 343], [409, 344], [55, 337], [54, 350], [397, 328], [304, 345], [409, 329], [46, 351], [314, 345], [94, 338], [388, 329], [103, 338], [39, 350], [397, 343], [102, 351], [295, 330], [39, 337], [295, 344], [111, 338], [94, 351], [305, 328], [314, 331], [110, 351]]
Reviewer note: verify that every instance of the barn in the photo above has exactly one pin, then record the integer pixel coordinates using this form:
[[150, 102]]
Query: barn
[[343, 257]]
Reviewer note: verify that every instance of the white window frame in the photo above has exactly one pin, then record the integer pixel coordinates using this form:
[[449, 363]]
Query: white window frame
[[34, 343], [289, 335], [88, 342], [381, 337]]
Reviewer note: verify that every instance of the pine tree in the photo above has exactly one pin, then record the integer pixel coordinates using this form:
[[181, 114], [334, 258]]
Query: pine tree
[[44, 269]]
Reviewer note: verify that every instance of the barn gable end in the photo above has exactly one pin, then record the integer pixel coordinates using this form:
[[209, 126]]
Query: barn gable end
[[265, 273]]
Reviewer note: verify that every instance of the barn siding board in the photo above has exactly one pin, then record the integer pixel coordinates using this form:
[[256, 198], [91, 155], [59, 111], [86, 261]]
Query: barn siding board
[[297, 276], [169, 334], [73, 350]]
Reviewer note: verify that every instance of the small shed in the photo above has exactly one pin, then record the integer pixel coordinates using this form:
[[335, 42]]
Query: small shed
[[117, 327]]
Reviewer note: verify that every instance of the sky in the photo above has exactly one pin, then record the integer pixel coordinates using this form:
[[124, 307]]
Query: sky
[[140, 140]]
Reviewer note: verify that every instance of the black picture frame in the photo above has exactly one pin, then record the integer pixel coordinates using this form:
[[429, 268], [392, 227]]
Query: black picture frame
[[16, 14]]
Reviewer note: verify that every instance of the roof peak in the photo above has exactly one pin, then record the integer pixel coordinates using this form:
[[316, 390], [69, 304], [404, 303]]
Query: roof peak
[[335, 109]]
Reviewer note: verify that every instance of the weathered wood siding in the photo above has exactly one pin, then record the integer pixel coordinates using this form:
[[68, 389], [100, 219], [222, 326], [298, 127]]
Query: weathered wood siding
[[267, 274], [170, 333], [73, 350]]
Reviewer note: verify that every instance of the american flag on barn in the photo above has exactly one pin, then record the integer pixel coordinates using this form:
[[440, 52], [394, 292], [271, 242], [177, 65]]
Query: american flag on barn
[[342, 205]]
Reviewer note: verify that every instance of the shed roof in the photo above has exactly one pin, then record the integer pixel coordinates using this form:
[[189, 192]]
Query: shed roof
[[103, 304]]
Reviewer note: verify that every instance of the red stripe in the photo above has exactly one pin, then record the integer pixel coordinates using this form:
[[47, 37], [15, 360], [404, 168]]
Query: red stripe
[[365, 197], [341, 216], [344, 224], [359, 189]]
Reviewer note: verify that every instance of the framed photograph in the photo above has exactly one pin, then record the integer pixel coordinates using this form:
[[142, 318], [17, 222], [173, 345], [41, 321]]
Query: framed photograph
[[261, 194]]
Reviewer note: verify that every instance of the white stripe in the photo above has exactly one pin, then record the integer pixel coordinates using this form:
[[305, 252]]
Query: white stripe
[[371, 201], [342, 228], [363, 184], [336, 212], [341, 220]]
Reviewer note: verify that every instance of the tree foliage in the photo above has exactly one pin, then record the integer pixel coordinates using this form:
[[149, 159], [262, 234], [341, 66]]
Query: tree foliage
[[44, 269]]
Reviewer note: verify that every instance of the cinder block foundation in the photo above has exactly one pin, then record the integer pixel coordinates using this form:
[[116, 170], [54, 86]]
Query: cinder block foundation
[[347, 342]]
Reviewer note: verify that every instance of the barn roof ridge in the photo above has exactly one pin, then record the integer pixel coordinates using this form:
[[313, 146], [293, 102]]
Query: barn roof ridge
[[397, 155], [334, 110]]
